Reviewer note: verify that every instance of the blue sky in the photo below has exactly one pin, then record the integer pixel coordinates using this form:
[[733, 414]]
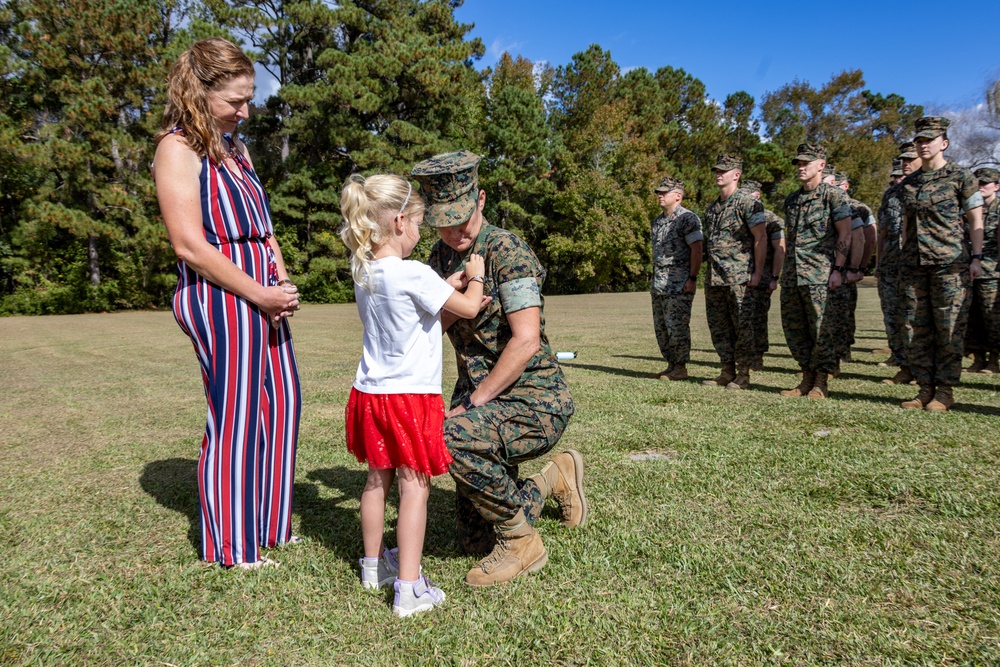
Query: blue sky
[[732, 46]]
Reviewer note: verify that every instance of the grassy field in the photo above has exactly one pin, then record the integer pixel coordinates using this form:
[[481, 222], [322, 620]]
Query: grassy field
[[726, 528]]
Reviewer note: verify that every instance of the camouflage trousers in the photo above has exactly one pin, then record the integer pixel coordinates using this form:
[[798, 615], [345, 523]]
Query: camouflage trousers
[[761, 308], [487, 444], [809, 331], [672, 324], [983, 331], [935, 301], [843, 303], [729, 309], [892, 311]]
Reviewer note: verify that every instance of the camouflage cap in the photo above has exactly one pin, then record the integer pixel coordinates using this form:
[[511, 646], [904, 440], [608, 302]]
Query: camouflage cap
[[809, 153], [841, 177], [668, 183], [931, 127], [828, 170], [908, 151], [727, 162], [897, 167], [449, 184], [987, 175], [750, 186]]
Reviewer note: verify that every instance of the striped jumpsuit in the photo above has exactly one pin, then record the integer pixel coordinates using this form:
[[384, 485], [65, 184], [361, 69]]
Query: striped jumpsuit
[[247, 461]]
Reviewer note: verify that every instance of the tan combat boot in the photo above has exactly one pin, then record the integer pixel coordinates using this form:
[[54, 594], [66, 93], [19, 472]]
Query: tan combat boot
[[680, 372], [978, 363], [836, 370], [819, 389], [942, 401], [518, 550], [902, 376], [562, 480], [925, 396], [808, 379], [993, 366], [728, 375], [742, 380], [664, 375]]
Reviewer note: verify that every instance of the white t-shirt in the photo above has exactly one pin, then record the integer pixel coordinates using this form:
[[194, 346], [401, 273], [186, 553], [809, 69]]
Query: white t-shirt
[[402, 319]]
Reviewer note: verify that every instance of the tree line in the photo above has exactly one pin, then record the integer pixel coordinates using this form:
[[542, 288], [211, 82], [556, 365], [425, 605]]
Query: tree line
[[571, 152]]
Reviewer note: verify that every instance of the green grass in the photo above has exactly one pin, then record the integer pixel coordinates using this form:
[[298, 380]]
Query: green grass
[[768, 531]]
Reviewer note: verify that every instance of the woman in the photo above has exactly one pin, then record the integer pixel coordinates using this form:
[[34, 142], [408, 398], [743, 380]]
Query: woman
[[232, 299], [936, 267]]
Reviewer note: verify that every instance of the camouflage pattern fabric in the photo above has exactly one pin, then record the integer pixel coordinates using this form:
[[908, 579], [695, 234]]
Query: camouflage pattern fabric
[[936, 309], [760, 302], [890, 219], [529, 415], [728, 240], [760, 299], [807, 328], [843, 304], [809, 152], [727, 162], [892, 311], [934, 270], [671, 236], [991, 247], [933, 202], [729, 309], [811, 235], [672, 325], [488, 443], [931, 127], [449, 184], [982, 334]]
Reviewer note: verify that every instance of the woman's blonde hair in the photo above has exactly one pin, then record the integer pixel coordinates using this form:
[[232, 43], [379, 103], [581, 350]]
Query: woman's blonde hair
[[370, 206], [207, 65]]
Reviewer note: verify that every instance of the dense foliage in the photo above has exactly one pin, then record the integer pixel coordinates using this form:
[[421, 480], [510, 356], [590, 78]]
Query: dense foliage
[[570, 152]]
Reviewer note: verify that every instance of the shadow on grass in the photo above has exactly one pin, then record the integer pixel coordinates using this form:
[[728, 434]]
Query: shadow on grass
[[335, 522], [173, 483]]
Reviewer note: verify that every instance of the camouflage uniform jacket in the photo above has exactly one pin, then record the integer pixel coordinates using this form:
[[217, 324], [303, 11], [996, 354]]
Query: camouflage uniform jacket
[[890, 218], [672, 236], [811, 235], [991, 219], [775, 229], [728, 240], [861, 215], [514, 279], [932, 204]]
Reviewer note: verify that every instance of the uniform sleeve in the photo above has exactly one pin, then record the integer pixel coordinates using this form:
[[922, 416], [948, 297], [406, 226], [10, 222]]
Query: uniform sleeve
[[753, 209], [692, 228], [517, 273], [970, 196], [775, 227], [839, 204]]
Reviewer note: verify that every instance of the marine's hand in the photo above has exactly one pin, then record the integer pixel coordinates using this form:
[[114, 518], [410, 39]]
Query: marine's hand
[[835, 280], [485, 302], [975, 269], [457, 280]]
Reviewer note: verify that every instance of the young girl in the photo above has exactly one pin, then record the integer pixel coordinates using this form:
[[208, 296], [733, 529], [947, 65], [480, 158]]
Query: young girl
[[395, 414]]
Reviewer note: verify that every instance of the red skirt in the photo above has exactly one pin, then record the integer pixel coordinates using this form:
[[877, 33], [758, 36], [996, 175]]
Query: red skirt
[[397, 431]]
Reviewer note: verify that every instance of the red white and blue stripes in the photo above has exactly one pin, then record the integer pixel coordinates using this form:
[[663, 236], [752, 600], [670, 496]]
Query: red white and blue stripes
[[247, 463]]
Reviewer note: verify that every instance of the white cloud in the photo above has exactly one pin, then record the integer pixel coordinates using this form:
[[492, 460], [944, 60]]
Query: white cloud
[[499, 47]]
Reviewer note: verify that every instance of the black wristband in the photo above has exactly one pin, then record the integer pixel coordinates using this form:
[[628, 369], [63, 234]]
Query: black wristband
[[838, 269], [694, 278], [467, 402], [978, 256], [774, 276]]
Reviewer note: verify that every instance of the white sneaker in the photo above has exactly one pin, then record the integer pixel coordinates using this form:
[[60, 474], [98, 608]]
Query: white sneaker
[[382, 572], [415, 597]]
